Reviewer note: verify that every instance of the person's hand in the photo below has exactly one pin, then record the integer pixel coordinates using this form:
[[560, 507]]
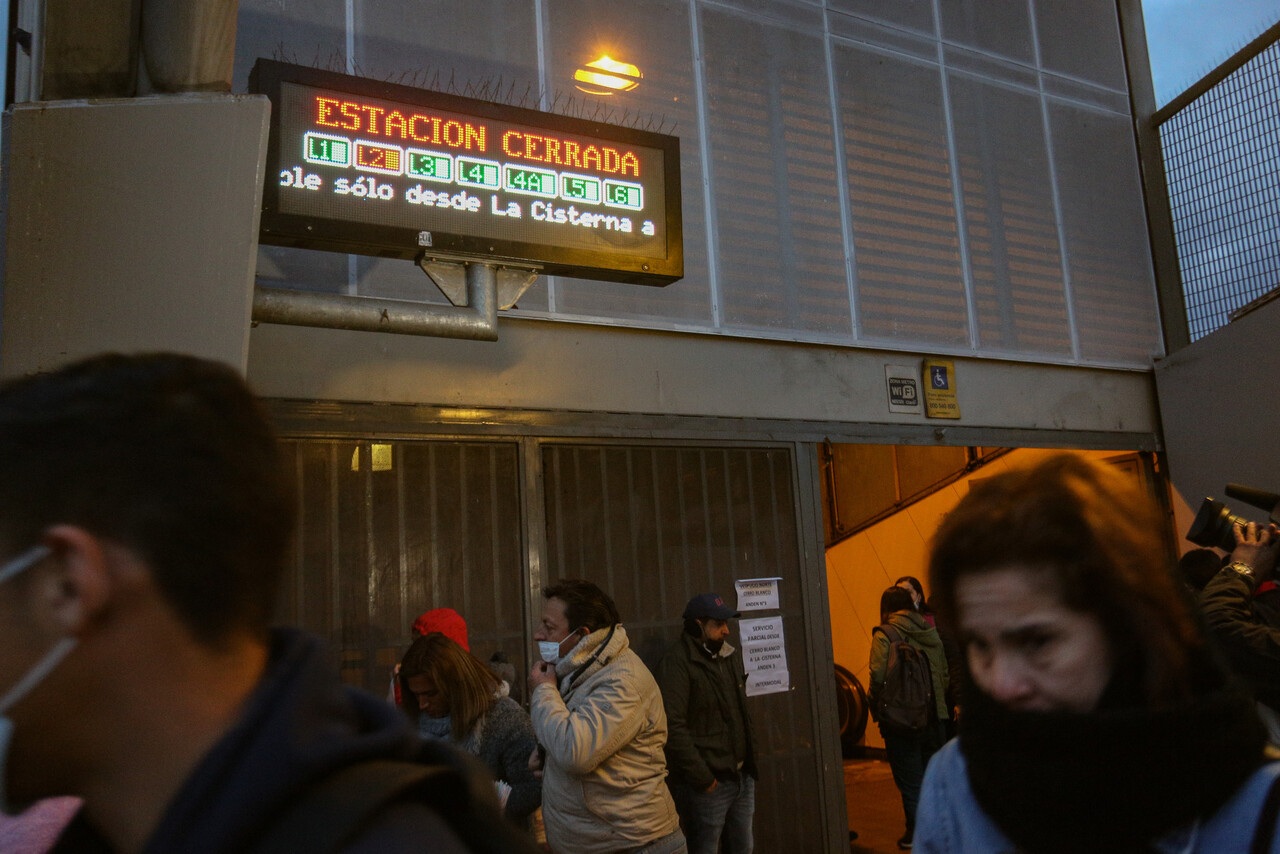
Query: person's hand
[[541, 672], [1257, 545], [711, 788], [535, 762]]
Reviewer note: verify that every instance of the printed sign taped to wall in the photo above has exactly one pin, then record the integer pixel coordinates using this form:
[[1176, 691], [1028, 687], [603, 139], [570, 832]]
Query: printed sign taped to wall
[[757, 594], [764, 655], [768, 683]]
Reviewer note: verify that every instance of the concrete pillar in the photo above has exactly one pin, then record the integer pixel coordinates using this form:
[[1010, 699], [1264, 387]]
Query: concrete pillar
[[130, 225], [122, 48]]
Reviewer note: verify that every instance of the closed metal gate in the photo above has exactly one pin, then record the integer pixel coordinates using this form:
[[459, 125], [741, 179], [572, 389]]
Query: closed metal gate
[[390, 529], [657, 525]]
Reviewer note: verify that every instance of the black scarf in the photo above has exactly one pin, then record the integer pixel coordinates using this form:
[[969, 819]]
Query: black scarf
[[1112, 780]]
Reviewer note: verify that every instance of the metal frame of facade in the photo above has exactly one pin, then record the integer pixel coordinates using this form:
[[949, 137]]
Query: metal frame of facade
[[1155, 186], [1156, 190]]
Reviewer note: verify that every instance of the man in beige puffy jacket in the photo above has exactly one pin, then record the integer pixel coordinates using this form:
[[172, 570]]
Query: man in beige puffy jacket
[[598, 717]]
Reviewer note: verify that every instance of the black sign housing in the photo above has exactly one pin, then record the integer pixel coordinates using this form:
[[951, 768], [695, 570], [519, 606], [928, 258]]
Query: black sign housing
[[372, 168]]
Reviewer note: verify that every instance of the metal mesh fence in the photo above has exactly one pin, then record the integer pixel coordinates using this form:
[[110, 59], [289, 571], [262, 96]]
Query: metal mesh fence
[[1222, 161]]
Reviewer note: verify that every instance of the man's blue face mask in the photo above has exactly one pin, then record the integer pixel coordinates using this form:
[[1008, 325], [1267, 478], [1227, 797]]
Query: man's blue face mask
[[31, 678]]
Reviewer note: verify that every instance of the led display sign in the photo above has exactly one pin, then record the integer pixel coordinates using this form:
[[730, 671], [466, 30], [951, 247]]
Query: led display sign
[[355, 165]]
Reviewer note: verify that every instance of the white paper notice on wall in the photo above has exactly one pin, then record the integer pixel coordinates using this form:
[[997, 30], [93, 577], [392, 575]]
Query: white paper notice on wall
[[764, 655], [757, 594], [768, 683]]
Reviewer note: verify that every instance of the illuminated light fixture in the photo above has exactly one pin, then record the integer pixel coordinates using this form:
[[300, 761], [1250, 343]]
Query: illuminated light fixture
[[604, 76], [379, 457]]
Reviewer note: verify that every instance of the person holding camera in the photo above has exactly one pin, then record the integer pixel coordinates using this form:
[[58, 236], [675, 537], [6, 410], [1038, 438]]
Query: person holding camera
[[1247, 631]]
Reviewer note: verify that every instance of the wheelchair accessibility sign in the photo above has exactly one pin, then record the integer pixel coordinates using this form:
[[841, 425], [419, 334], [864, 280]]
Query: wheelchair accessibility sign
[[940, 389]]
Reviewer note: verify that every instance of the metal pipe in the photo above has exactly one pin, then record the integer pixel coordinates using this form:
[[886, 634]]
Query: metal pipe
[[478, 321]]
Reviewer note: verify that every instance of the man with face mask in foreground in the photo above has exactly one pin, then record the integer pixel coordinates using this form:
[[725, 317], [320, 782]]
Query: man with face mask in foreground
[[145, 519], [598, 717]]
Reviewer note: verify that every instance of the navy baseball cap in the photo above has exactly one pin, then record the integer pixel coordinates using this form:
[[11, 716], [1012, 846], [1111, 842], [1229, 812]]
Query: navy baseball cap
[[708, 606]]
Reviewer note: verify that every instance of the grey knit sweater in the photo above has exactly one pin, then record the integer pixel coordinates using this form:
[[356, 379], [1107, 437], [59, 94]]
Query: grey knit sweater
[[506, 740]]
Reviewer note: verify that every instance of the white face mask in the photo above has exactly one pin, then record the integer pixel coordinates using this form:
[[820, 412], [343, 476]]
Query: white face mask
[[31, 678], [550, 650]]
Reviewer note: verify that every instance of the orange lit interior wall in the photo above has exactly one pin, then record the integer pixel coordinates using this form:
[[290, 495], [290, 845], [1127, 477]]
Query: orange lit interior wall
[[862, 566]]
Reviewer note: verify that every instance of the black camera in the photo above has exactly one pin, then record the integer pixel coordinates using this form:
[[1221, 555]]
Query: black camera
[[1214, 521]]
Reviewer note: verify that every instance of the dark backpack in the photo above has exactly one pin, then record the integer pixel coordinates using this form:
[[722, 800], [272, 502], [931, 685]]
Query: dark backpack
[[333, 810], [905, 704]]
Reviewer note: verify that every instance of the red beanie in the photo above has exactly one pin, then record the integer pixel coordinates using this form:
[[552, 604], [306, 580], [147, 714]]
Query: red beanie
[[447, 622]]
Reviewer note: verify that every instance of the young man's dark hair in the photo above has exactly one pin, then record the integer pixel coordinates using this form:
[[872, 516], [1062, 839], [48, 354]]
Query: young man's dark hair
[[145, 519], [585, 604], [166, 454]]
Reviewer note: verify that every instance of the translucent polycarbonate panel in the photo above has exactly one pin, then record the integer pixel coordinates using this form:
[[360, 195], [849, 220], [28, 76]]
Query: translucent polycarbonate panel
[[1014, 256], [478, 48], [775, 189], [655, 526], [992, 67], [887, 36], [304, 32], [653, 35], [1057, 86], [1103, 219], [301, 269], [999, 26], [397, 279], [804, 14], [910, 282], [915, 14], [1081, 38], [387, 531], [774, 218]]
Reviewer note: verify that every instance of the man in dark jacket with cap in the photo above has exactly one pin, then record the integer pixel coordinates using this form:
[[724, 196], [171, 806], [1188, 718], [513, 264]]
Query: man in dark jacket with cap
[[709, 751]]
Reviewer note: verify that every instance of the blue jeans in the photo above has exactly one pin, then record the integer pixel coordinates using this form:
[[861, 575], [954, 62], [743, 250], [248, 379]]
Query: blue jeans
[[724, 812], [908, 756], [672, 843]]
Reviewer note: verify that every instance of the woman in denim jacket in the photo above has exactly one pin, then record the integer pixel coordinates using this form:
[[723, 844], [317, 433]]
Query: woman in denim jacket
[[1098, 718]]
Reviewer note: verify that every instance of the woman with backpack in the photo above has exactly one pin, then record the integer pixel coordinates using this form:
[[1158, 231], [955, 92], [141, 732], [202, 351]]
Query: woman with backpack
[[908, 695], [1096, 717], [912, 585]]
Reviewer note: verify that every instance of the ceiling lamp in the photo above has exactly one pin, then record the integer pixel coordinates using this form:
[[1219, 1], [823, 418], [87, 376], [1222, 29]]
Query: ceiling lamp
[[604, 76]]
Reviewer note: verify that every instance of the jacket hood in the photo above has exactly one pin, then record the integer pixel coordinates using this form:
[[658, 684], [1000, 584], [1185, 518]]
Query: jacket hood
[[299, 723], [590, 654], [916, 629]]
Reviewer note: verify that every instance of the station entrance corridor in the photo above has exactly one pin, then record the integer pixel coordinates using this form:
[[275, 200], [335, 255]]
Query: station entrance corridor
[[881, 506]]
